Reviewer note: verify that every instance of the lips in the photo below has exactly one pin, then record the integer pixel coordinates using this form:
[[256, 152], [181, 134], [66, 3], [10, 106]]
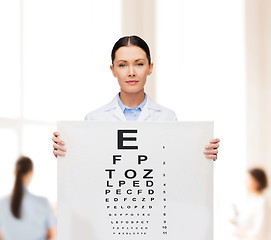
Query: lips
[[132, 82]]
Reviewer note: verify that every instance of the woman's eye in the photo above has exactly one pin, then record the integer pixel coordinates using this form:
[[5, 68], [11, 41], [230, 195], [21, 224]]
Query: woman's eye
[[140, 64], [122, 65]]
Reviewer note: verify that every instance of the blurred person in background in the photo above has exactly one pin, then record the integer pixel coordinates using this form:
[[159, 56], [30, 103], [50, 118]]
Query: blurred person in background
[[250, 222], [24, 216]]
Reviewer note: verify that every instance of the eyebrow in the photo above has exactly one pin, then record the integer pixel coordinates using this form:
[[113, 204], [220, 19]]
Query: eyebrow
[[135, 60]]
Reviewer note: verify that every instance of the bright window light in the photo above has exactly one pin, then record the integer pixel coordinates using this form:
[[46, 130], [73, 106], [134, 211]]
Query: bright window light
[[9, 153], [10, 59], [201, 76], [36, 144], [67, 59], [66, 49]]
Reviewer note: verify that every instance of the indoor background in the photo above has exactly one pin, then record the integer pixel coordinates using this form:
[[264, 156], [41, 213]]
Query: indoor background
[[211, 62]]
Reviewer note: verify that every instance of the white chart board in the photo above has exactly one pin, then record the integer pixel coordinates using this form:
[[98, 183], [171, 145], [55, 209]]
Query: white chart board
[[135, 180]]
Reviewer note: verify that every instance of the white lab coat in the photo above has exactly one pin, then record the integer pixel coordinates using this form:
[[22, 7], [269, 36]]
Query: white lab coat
[[150, 112], [253, 223]]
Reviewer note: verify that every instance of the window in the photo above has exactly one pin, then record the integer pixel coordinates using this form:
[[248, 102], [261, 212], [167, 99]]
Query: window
[[55, 57], [200, 75]]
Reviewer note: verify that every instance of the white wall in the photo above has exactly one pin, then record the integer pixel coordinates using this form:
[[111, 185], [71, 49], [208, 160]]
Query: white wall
[[258, 60]]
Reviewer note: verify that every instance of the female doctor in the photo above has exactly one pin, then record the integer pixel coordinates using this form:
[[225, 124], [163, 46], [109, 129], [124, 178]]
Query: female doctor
[[131, 65]]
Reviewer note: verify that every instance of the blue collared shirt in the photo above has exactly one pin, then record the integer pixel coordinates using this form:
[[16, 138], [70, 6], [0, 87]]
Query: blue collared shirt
[[37, 218], [131, 114]]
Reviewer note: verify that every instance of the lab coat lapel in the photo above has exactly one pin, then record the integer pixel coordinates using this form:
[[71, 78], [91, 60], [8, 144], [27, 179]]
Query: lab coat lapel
[[117, 113], [116, 110], [147, 110]]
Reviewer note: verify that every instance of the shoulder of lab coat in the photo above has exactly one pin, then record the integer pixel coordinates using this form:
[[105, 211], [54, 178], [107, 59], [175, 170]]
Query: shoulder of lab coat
[[151, 112]]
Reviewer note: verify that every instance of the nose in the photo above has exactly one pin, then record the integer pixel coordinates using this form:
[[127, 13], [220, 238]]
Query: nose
[[131, 71]]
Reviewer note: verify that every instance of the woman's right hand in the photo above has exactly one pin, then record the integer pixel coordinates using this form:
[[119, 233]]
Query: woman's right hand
[[58, 145]]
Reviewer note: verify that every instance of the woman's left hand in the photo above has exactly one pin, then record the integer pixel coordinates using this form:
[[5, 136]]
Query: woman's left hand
[[211, 149]]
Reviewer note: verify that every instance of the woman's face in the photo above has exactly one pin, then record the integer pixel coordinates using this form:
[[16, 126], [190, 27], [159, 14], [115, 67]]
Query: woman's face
[[131, 68], [252, 183]]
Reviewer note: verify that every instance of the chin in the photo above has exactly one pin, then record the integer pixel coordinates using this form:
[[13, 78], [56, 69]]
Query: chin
[[132, 90]]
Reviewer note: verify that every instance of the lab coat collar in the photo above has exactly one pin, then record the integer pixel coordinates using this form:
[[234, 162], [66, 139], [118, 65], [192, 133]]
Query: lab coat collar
[[147, 110], [116, 110]]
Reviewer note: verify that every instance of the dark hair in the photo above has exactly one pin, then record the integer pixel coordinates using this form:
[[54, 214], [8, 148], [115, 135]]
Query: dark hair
[[131, 41], [259, 175], [23, 166]]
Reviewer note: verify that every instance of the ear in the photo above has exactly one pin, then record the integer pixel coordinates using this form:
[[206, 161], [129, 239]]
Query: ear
[[112, 70], [150, 69]]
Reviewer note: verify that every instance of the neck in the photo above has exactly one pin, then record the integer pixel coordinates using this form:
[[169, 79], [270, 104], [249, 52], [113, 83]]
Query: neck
[[132, 99], [256, 193], [27, 178]]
